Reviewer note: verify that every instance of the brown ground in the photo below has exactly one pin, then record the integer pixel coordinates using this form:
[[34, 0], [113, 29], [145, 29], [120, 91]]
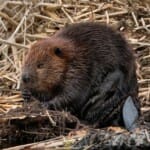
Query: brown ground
[[23, 22]]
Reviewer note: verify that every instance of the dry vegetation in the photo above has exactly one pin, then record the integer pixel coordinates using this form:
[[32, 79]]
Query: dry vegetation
[[24, 21]]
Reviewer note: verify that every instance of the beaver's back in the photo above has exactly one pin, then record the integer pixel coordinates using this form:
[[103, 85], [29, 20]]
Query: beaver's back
[[107, 55], [102, 45]]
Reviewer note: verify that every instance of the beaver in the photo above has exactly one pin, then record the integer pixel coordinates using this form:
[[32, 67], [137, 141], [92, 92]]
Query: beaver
[[87, 69]]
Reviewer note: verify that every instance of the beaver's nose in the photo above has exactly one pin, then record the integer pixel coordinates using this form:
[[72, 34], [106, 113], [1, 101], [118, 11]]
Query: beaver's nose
[[26, 78]]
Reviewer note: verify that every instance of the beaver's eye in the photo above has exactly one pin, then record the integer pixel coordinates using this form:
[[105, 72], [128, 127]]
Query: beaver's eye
[[40, 65], [58, 51]]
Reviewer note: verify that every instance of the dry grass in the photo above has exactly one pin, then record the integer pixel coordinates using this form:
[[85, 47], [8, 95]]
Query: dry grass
[[24, 21]]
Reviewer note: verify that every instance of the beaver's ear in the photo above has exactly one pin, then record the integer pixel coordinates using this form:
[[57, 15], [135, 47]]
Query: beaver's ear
[[58, 52]]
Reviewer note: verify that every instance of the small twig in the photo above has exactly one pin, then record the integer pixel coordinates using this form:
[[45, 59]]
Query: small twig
[[135, 20], [82, 11], [3, 110], [94, 11], [50, 119], [141, 43], [2, 23], [144, 25], [3, 5], [37, 36], [107, 17], [50, 5], [145, 109], [65, 12], [21, 22], [147, 135], [144, 80], [35, 133], [18, 3], [13, 44], [143, 89], [68, 16], [46, 18], [119, 2], [11, 101], [10, 20], [113, 14], [25, 30], [136, 41], [10, 60], [58, 6], [11, 39]]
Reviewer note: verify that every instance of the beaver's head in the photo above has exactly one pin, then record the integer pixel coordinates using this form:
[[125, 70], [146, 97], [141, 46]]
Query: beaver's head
[[45, 65]]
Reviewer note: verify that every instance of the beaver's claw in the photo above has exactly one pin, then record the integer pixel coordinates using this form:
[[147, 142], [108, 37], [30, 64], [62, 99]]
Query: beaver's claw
[[26, 94]]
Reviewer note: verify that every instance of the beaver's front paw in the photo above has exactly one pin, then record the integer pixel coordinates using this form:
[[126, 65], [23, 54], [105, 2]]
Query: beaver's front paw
[[26, 94], [53, 105]]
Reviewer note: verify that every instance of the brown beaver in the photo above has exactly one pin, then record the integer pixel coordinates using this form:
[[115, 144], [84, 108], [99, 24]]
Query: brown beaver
[[87, 69]]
